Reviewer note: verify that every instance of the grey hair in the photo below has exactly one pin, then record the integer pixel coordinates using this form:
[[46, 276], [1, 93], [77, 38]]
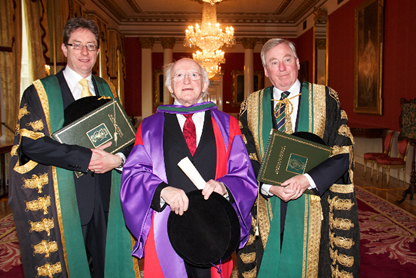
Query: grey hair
[[272, 43], [167, 70]]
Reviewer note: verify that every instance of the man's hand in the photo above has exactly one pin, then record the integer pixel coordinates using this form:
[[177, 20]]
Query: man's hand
[[175, 198], [284, 193], [102, 161], [213, 186], [298, 184]]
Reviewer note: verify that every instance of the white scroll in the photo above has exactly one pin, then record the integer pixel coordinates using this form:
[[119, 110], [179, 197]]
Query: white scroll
[[192, 173]]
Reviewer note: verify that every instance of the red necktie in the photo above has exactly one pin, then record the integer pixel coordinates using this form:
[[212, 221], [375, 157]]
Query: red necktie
[[189, 132]]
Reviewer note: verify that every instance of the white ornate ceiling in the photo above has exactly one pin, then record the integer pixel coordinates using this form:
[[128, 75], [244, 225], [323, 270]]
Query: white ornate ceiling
[[163, 18]]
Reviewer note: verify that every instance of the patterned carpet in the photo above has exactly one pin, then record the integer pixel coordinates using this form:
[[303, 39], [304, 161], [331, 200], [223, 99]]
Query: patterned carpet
[[10, 262], [388, 233], [388, 245]]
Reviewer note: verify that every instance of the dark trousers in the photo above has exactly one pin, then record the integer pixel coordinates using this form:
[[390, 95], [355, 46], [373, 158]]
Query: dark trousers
[[95, 233]]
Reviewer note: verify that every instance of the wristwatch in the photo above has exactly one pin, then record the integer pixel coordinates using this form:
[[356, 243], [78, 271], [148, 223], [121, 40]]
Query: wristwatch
[[123, 160]]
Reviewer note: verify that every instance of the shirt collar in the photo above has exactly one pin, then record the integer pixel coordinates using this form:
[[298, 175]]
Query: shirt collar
[[294, 90], [72, 78]]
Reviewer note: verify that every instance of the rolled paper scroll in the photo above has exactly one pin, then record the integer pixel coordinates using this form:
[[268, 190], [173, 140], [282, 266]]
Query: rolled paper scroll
[[192, 173]]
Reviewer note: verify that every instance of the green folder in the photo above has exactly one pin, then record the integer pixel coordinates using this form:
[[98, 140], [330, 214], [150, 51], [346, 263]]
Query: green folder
[[107, 123], [287, 155]]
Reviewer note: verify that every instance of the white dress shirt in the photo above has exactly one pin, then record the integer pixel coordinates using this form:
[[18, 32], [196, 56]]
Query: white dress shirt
[[72, 78]]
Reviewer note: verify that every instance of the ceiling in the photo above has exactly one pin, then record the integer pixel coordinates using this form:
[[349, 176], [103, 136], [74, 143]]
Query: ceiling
[[163, 18]]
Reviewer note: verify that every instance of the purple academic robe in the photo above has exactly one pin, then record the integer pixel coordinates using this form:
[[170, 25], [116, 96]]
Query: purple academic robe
[[144, 170]]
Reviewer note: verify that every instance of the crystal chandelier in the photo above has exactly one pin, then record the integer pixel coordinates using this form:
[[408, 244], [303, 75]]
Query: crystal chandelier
[[210, 38], [212, 2]]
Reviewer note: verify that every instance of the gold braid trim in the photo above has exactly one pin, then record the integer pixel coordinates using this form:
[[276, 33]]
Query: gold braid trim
[[22, 112], [341, 150], [112, 88], [253, 156], [252, 104], [31, 134], [344, 115], [342, 242], [342, 188], [36, 125], [263, 218], [319, 109], [342, 259], [42, 203], [36, 182], [43, 97], [59, 214], [29, 166], [336, 273], [252, 237], [314, 234], [340, 223], [13, 151], [340, 204], [43, 225], [335, 96], [49, 269], [250, 274], [45, 247], [344, 130], [248, 257]]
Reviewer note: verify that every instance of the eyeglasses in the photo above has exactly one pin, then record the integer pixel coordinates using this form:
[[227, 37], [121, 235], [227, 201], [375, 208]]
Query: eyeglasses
[[194, 76], [80, 46]]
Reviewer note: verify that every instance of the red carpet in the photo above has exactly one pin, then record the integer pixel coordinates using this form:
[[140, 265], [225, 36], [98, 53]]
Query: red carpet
[[10, 263], [388, 240], [388, 247]]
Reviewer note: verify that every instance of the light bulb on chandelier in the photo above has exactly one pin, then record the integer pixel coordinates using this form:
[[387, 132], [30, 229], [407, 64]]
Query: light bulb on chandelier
[[210, 38], [210, 61]]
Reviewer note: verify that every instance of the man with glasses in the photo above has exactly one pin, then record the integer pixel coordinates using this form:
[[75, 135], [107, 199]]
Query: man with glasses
[[153, 185], [62, 219]]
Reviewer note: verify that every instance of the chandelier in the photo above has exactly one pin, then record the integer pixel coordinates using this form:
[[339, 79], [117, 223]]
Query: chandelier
[[210, 38]]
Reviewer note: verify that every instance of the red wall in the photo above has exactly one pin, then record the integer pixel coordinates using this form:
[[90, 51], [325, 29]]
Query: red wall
[[304, 50], [398, 60], [132, 84]]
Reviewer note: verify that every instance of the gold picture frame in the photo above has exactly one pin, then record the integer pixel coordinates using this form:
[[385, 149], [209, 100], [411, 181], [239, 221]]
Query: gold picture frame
[[158, 87], [368, 57], [238, 85]]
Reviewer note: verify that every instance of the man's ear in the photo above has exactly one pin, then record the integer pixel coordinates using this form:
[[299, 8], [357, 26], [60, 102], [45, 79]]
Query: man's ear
[[265, 71], [170, 89], [205, 87], [64, 49]]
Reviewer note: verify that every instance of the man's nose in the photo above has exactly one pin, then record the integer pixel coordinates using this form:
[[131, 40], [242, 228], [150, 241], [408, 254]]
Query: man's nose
[[186, 79], [84, 49]]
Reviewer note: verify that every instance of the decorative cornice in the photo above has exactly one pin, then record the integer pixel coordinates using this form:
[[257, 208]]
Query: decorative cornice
[[302, 9], [249, 43], [320, 44], [168, 43], [282, 6], [264, 40], [114, 8], [133, 5], [147, 42]]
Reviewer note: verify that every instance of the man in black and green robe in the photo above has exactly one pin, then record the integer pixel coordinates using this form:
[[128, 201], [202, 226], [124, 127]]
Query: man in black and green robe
[[296, 234], [67, 226]]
